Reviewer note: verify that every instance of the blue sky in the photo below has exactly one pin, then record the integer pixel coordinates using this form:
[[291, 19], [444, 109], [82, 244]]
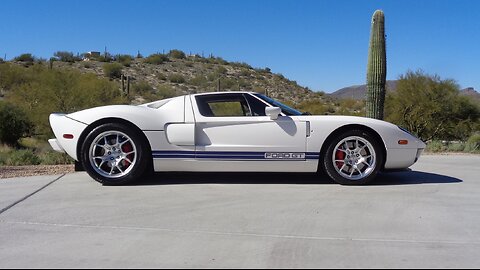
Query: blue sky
[[321, 44]]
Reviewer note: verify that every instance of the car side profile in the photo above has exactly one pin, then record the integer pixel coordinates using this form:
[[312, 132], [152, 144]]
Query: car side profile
[[229, 132]]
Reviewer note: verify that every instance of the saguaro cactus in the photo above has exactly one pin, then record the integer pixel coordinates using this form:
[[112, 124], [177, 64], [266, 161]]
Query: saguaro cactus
[[376, 68]]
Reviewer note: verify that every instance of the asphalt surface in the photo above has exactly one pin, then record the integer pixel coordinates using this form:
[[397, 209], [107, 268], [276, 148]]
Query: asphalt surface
[[428, 218]]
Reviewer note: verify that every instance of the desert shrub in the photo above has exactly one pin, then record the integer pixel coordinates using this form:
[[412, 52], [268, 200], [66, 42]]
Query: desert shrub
[[142, 88], [161, 76], [39, 91], [228, 84], [456, 147], [26, 57], [150, 94], [165, 91], [113, 70], [176, 78], [4, 154], [68, 57], [245, 72], [55, 158], [435, 146], [14, 123], [177, 54], [87, 65], [124, 59], [241, 65], [198, 80], [23, 157], [221, 70], [156, 59], [473, 143]]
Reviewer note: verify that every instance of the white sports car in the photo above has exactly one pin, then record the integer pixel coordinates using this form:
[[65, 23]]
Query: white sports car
[[229, 132]]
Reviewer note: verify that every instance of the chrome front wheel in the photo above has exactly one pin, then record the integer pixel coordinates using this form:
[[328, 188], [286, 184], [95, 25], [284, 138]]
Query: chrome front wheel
[[353, 157]]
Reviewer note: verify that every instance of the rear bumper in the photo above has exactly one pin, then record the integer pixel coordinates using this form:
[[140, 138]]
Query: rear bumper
[[61, 126], [56, 146]]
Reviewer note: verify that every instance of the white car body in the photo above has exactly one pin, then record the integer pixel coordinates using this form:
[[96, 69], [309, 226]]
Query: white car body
[[182, 139]]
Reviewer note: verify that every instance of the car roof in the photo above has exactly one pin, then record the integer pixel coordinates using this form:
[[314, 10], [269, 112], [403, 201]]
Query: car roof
[[224, 92]]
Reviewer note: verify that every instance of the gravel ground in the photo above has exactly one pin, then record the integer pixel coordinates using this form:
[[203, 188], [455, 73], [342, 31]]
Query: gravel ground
[[34, 170], [22, 171]]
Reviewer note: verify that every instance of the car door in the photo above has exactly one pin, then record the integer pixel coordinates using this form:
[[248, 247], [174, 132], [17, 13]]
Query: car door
[[230, 128]]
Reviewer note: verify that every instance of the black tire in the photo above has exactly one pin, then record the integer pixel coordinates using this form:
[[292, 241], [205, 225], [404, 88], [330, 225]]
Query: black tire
[[334, 173], [137, 142]]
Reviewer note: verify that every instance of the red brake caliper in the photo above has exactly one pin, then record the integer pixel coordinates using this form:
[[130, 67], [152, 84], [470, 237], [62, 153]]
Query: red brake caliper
[[126, 148], [339, 155]]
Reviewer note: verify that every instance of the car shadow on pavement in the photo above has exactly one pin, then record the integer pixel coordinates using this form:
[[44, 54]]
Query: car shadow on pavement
[[383, 179], [412, 178]]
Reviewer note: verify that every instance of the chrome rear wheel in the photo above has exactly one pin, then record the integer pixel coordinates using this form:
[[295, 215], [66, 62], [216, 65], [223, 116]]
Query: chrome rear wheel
[[113, 154]]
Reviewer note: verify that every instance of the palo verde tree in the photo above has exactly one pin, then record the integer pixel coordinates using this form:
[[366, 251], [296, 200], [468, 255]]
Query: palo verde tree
[[432, 108]]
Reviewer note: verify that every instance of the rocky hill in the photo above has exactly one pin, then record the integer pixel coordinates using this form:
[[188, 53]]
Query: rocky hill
[[357, 92], [470, 92], [194, 74]]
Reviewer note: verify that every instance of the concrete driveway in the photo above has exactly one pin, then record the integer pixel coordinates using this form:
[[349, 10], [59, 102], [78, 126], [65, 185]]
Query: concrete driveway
[[428, 217]]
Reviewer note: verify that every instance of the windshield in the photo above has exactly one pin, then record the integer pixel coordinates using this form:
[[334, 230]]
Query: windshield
[[285, 109]]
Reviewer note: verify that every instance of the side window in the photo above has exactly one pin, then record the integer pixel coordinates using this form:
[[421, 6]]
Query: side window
[[227, 108], [257, 107], [223, 105]]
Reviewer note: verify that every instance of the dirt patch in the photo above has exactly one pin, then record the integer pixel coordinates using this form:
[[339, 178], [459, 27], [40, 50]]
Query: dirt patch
[[23, 171]]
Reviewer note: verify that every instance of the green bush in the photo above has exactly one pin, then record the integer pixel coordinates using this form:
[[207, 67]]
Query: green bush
[[473, 144], [26, 57], [456, 147], [55, 158], [161, 76], [431, 108], [176, 78], [142, 88], [156, 59], [198, 81], [177, 54], [66, 57], [23, 157], [4, 154], [221, 70], [39, 91], [124, 59], [14, 123], [435, 146], [113, 70]]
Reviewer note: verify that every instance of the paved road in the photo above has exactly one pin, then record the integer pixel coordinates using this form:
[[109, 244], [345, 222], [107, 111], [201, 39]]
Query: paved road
[[429, 217]]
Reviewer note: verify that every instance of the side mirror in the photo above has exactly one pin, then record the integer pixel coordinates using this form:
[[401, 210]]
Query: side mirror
[[273, 112]]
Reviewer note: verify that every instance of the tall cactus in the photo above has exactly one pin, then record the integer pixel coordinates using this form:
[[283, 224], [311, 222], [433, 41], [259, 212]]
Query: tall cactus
[[377, 67]]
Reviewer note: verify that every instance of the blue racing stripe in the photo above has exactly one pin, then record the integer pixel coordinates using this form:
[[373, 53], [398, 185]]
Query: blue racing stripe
[[229, 155]]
